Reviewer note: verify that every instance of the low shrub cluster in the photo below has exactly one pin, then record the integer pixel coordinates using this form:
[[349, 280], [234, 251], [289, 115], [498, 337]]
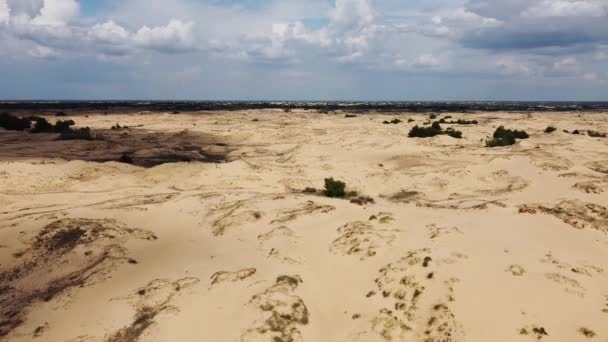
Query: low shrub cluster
[[506, 137], [83, 133], [596, 134], [392, 122], [434, 130], [458, 122], [13, 123], [550, 129]]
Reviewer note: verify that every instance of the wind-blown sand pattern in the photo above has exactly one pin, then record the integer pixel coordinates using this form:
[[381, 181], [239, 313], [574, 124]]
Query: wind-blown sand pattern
[[461, 242]]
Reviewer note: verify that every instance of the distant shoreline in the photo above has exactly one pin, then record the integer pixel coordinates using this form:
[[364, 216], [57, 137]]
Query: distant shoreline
[[195, 106]]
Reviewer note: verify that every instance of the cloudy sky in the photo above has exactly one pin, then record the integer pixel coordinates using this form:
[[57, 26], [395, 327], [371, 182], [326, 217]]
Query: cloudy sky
[[304, 49]]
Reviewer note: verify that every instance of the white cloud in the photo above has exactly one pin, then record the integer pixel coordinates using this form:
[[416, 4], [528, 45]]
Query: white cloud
[[5, 12], [57, 12], [175, 36], [568, 8], [349, 15], [43, 52]]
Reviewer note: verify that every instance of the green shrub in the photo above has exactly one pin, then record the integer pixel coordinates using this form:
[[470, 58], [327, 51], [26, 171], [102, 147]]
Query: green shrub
[[13, 123], [334, 188], [434, 130], [423, 132], [453, 133], [76, 134], [506, 137], [550, 129]]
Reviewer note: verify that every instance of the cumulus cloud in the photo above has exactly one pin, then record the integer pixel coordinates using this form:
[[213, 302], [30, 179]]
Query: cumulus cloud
[[175, 36], [57, 12]]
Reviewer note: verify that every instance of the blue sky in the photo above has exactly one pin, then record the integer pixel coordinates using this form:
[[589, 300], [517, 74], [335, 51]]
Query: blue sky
[[304, 49]]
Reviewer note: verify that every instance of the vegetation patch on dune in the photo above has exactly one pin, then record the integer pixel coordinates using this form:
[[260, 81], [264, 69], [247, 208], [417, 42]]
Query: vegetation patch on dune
[[64, 255], [506, 137], [434, 130]]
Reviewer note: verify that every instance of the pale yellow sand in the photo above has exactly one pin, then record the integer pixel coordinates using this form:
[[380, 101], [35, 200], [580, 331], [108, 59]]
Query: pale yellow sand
[[463, 242]]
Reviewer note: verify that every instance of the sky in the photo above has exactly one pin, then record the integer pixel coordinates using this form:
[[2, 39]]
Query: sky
[[401, 50]]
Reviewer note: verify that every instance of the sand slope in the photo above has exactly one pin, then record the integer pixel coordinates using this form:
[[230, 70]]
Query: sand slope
[[461, 243]]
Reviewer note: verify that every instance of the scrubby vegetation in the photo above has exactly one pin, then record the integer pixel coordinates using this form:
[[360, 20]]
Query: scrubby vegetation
[[596, 134], [506, 137], [576, 131], [433, 116], [434, 130], [392, 122], [410, 120], [126, 159], [13, 123], [76, 134], [458, 122], [334, 188], [61, 126], [550, 129]]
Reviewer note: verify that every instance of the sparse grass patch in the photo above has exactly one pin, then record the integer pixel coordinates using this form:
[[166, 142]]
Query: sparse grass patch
[[587, 332]]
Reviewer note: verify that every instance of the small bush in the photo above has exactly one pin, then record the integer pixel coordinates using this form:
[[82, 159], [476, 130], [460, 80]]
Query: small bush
[[334, 188], [433, 116], [13, 123], [410, 120], [506, 137], [434, 130], [41, 125], [550, 129], [77, 134], [576, 131], [116, 127], [453, 133], [596, 134], [393, 122], [61, 126], [423, 132], [348, 116], [60, 114]]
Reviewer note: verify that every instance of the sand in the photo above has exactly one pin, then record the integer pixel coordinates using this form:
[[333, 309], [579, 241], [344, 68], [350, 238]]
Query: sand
[[461, 242]]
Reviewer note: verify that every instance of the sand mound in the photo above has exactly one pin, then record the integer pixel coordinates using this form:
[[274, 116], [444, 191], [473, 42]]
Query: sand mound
[[87, 250]]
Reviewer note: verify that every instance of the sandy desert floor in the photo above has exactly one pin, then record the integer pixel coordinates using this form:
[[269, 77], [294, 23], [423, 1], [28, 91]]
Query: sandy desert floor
[[462, 242]]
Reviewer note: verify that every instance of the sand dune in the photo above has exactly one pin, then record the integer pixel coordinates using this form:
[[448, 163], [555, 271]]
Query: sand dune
[[211, 236]]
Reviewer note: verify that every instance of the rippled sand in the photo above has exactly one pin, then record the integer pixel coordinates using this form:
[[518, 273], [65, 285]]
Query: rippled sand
[[461, 242]]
